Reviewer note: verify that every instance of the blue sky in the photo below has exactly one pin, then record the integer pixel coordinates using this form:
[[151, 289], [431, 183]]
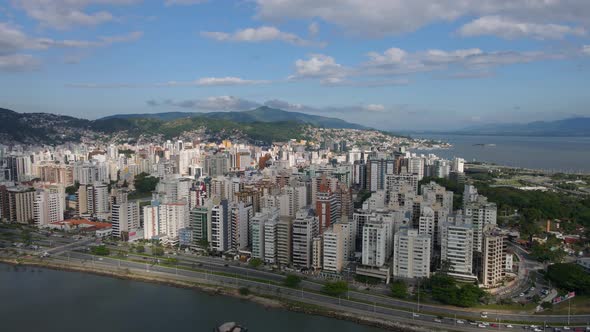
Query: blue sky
[[391, 64]]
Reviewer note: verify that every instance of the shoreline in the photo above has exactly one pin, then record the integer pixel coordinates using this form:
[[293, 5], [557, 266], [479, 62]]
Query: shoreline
[[265, 301]]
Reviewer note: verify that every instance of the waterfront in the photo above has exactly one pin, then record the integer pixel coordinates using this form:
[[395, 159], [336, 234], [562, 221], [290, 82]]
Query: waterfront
[[559, 154], [71, 301]]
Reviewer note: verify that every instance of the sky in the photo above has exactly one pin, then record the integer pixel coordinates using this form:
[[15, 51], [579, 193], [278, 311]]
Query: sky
[[389, 64]]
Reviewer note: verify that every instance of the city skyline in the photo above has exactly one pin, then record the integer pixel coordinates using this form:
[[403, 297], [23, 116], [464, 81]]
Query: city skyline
[[391, 65]]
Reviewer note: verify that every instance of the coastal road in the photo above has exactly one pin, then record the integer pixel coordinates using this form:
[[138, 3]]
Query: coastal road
[[358, 300]]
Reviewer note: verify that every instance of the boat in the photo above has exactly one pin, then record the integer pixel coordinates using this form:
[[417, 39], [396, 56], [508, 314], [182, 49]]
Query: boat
[[230, 327], [484, 144]]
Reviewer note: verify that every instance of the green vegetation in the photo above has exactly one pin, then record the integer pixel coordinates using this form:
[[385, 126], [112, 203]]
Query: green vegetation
[[399, 289], [157, 251], [569, 277], [100, 250], [535, 206], [367, 279], [255, 262], [445, 289], [140, 249], [292, 281], [127, 152], [550, 251], [336, 288], [71, 190], [145, 184], [244, 291]]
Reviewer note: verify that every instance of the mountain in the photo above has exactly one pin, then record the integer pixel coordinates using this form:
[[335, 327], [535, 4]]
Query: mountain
[[578, 126], [260, 114], [39, 127], [46, 128]]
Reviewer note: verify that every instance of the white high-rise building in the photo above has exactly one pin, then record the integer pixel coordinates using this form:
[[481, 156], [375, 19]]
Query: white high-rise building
[[457, 249], [220, 228], [304, 230], [333, 249], [48, 206], [377, 241], [125, 218], [257, 230], [411, 254], [241, 214], [270, 241], [482, 214]]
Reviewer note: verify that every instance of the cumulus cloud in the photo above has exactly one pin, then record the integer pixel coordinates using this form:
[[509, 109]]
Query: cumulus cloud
[[374, 108], [387, 17], [512, 29], [63, 14], [260, 34], [319, 66], [586, 49]]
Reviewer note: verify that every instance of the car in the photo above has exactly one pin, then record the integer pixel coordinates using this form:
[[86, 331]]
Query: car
[[484, 316], [460, 321], [509, 326], [538, 330], [494, 325], [481, 325], [415, 315], [532, 289], [566, 328], [521, 294], [438, 320]]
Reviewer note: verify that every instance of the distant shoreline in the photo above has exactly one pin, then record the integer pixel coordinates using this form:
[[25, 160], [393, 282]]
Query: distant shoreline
[[225, 291]]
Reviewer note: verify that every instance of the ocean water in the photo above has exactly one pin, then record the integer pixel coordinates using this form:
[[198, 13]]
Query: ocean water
[[560, 154], [35, 299]]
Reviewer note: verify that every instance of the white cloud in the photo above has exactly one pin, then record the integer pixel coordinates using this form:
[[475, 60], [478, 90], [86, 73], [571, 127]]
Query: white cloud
[[260, 34], [397, 62], [13, 41], [18, 62], [386, 17], [374, 108], [63, 14], [511, 29], [319, 66], [586, 49], [313, 29], [183, 2], [229, 80]]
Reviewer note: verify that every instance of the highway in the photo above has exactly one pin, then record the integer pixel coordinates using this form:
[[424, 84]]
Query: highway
[[234, 276]]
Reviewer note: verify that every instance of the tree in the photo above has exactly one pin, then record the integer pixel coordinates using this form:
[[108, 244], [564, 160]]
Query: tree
[[292, 281], [399, 289], [145, 183], [140, 249], [255, 262], [100, 250], [157, 251], [336, 288], [244, 291], [569, 277]]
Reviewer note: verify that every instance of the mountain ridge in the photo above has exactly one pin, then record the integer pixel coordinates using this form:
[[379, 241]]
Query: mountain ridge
[[260, 114]]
